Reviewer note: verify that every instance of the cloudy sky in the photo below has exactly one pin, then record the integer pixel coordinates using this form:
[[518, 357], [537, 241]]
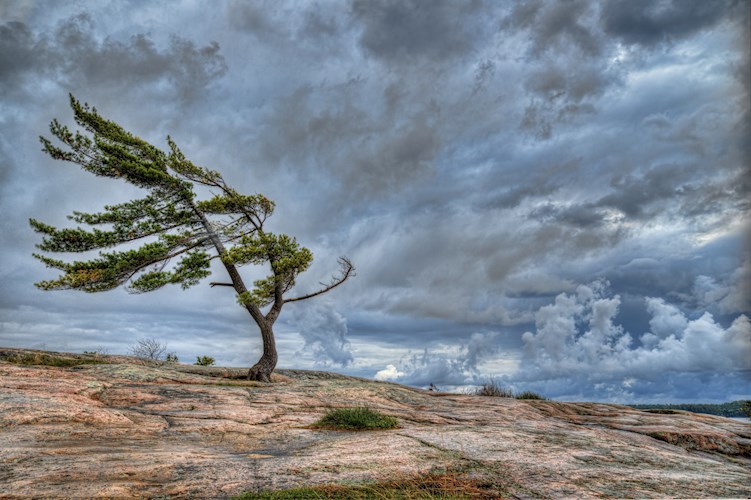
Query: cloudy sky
[[553, 193]]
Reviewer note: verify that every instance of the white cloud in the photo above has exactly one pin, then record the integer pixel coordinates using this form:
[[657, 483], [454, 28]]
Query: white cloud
[[389, 373], [576, 339]]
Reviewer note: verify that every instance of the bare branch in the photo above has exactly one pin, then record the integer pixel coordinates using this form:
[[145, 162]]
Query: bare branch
[[346, 270], [150, 349], [214, 283]]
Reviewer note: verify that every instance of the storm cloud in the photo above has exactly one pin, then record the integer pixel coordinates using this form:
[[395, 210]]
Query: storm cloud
[[478, 161], [74, 56]]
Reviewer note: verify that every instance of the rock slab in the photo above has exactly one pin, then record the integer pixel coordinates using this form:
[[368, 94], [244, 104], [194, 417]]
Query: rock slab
[[128, 429]]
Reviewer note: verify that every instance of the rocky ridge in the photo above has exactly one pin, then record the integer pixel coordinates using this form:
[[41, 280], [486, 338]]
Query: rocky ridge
[[118, 427]]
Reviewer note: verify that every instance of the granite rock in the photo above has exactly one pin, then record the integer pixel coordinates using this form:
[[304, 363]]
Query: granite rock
[[119, 427]]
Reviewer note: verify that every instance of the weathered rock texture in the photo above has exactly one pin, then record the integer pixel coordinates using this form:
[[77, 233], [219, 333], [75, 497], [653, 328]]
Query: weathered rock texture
[[128, 429]]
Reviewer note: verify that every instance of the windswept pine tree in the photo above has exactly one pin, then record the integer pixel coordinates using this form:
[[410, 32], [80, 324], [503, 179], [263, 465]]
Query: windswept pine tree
[[181, 234]]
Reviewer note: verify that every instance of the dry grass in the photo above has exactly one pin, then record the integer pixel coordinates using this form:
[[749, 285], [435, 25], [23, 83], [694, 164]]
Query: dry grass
[[494, 388], [430, 486]]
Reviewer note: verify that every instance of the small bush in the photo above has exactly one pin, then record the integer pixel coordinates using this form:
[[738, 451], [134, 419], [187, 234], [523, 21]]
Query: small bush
[[171, 358], [204, 361], [356, 419], [98, 352], [494, 388], [530, 395], [150, 349], [746, 408]]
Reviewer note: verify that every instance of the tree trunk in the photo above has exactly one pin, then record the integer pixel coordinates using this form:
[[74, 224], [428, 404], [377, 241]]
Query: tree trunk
[[261, 371]]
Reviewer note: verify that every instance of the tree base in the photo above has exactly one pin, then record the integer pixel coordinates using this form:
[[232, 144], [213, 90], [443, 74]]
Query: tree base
[[260, 372]]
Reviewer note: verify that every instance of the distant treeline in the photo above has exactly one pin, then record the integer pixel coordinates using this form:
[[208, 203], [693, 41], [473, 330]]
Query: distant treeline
[[732, 409]]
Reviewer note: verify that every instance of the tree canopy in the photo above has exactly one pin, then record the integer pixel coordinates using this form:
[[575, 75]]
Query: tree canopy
[[179, 234]]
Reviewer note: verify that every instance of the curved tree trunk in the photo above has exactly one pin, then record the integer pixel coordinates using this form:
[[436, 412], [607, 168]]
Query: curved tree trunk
[[261, 371]]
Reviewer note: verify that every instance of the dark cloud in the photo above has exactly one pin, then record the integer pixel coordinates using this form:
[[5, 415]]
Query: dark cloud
[[366, 153], [648, 23], [571, 63], [540, 117], [583, 216], [318, 25], [16, 50], [552, 24], [636, 196], [252, 17], [75, 57], [408, 31], [475, 160], [673, 189], [553, 80]]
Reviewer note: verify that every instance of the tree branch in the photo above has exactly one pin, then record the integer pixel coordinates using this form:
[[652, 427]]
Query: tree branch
[[347, 271], [214, 283], [164, 260]]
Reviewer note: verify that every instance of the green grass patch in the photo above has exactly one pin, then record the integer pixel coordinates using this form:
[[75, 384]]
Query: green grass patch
[[356, 419], [430, 486], [44, 359]]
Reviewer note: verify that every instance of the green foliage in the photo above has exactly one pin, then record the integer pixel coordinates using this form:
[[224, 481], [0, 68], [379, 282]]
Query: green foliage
[[733, 409], [286, 257], [171, 236], [530, 395], [204, 361], [257, 204], [746, 408], [170, 216], [355, 419], [171, 358]]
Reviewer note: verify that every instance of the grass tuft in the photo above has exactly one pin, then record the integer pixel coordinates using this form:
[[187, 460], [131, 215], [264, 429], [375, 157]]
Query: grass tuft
[[530, 395], [494, 388], [356, 419]]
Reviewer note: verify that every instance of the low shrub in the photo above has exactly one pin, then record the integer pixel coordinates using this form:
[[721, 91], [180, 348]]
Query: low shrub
[[150, 349], [171, 358], [356, 419], [204, 361], [530, 395], [97, 353], [494, 388]]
